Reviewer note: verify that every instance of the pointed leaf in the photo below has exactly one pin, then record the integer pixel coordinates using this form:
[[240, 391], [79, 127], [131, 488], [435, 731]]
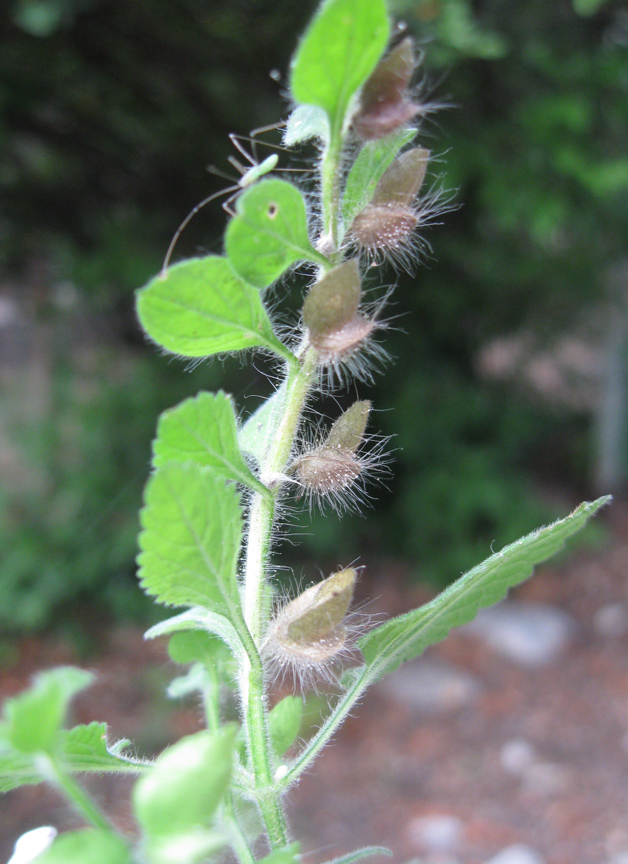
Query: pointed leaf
[[186, 784], [337, 53], [203, 430], [269, 233], [258, 432], [34, 717], [368, 169], [201, 620], [407, 636], [191, 539], [306, 122], [86, 847], [201, 307], [284, 723]]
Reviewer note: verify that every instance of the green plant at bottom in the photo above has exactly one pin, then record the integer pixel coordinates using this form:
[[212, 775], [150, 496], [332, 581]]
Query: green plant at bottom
[[219, 490]]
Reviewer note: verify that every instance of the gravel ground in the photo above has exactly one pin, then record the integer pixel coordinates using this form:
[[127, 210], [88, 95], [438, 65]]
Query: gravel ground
[[524, 761]]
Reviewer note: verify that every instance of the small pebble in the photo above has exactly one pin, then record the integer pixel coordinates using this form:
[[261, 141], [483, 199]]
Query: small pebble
[[516, 755], [432, 686], [437, 833], [530, 634], [611, 621], [517, 854]]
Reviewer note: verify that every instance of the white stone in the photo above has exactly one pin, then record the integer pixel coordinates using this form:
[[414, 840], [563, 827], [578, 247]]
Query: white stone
[[531, 634], [437, 833], [431, 686], [516, 755], [517, 854], [30, 845], [611, 620]]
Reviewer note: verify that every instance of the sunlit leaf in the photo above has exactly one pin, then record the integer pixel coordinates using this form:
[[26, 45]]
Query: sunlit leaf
[[269, 233], [203, 430], [201, 307], [337, 53], [258, 432], [34, 717], [284, 723], [184, 787], [86, 847], [306, 122], [191, 539]]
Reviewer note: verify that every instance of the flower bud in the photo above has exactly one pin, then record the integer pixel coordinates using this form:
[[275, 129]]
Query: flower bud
[[330, 313], [387, 223], [384, 103], [331, 468], [308, 634]]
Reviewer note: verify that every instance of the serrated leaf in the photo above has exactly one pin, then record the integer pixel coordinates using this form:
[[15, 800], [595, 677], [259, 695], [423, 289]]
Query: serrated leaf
[[407, 636], [258, 432], [34, 717], [201, 307], [368, 169], [203, 430], [86, 847], [337, 53], [269, 233], [284, 723], [184, 787], [80, 749], [192, 528], [306, 122]]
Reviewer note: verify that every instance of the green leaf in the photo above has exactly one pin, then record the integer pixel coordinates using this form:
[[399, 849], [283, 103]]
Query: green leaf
[[306, 122], [80, 749], [186, 784], [190, 541], [201, 307], [34, 717], [199, 619], [203, 430], [258, 433], [86, 847], [197, 846], [287, 855], [269, 233], [407, 636], [337, 53], [368, 169], [284, 723]]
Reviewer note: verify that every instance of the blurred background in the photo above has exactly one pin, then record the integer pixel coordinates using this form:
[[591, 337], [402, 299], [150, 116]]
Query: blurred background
[[510, 391], [508, 396]]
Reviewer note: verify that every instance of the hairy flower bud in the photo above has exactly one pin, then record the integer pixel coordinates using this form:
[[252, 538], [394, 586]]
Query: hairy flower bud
[[309, 634], [384, 103], [327, 472], [387, 223], [330, 312]]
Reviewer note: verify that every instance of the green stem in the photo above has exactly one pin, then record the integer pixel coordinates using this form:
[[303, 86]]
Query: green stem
[[77, 796], [261, 519], [329, 728], [330, 182], [239, 843]]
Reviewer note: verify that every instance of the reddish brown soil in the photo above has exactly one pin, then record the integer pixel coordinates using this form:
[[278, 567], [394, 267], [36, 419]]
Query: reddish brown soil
[[391, 766]]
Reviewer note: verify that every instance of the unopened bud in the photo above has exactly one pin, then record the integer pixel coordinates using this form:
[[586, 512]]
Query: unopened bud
[[308, 634], [330, 313], [347, 432], [402, 180], [384, 103]]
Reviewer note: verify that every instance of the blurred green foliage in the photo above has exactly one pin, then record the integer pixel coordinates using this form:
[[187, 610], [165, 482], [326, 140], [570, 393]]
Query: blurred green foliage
[[109, 113]]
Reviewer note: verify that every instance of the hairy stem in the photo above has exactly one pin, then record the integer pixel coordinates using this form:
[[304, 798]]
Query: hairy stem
[[261, 520], [330, 183], [77, 796]]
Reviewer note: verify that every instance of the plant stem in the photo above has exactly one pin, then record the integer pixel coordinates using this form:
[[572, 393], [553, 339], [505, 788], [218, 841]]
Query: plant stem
[[330, 180], [77, 796], [262, 515]]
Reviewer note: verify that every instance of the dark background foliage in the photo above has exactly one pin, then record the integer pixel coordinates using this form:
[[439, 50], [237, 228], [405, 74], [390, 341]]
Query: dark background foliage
[[110, 112]]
